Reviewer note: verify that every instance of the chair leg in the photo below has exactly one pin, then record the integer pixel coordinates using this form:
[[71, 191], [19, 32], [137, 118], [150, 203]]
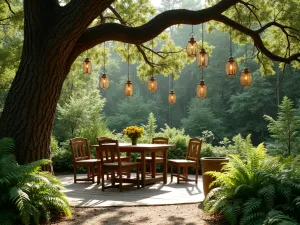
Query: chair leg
[[75, 170], [120, 181], [112, 174], [171, 173], [196, 174], [98, 173], [178, 174], [102, 175], [89, 172], [93, 173], [138, 176], [185, 170]]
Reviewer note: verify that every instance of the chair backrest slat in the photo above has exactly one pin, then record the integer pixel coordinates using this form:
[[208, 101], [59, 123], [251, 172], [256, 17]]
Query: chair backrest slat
[[160, 140], [194, 149], [80, 149]]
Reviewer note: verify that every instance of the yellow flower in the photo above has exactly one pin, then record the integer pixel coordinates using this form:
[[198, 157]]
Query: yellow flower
[[133, 131]]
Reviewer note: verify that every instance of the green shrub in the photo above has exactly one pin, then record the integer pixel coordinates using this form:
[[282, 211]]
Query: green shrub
[[27, 195], [258, 190]]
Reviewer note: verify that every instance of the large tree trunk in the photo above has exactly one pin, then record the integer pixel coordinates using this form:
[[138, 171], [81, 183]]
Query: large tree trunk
[[50, 36], [30, 106]]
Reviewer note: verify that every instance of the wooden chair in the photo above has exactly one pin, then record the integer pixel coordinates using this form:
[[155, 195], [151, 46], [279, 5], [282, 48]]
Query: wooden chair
[[123, 158], [191, 160], [110, 156], [158, 155], [82, 157]]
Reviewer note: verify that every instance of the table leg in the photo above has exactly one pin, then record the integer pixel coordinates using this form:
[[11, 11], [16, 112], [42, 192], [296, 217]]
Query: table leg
[[153, 165], [143, 161], [165, 165]]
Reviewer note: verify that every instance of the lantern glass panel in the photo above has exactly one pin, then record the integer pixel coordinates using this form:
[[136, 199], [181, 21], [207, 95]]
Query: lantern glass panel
[[202, 59], [191, 48], [172, 97], [231, 67], [201, 91], [87, 66], [246, 78], [152, 84], [128, 90], [104, 81]]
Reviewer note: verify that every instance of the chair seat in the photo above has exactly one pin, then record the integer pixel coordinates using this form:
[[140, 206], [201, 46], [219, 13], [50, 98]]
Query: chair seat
[[123, 164], [88, 161], [148, 158], [182, 162]]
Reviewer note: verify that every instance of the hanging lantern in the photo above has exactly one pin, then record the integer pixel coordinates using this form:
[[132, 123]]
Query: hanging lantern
[[201, 91], [246, 78], [202, 59], [87, 66], [191, 48], [172, 97], [128, 90], [104, 81], [152, 84], [231, 67]]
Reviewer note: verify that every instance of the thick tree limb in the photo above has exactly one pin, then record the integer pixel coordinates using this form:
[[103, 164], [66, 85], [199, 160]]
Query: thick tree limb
[[148, 31], [257, 40]]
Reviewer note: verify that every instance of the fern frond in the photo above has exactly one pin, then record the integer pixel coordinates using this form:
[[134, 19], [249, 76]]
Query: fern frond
[[251, 205], [269, 194]]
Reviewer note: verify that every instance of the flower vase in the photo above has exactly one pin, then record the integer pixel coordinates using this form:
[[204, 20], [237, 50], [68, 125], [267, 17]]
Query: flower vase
[[134, 141]]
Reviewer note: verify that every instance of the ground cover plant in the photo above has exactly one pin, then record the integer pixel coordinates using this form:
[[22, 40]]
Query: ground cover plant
[[28, 195], [257, 189]]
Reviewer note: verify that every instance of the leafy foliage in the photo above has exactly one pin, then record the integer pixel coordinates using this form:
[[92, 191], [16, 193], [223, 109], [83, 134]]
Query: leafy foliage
[[27, 194], [258, 190], [285, 130]]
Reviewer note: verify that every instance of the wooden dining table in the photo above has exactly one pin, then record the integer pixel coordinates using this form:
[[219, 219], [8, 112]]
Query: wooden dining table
[[143, 149]]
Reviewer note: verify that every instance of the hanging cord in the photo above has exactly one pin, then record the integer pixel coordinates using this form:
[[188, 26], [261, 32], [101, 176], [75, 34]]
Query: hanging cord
[[152, 59], [246, 60], [172, 88], [128, 58], [202, 36], [104, 71], [202, 73], [230, 44], [192, 33]]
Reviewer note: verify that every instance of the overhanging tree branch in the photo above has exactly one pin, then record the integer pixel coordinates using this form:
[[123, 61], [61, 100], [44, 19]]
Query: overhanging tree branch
[[255, 35], [138, 35]]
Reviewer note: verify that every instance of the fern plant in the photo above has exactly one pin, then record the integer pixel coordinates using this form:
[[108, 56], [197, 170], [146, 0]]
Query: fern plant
[[258, 190], [27, 194]]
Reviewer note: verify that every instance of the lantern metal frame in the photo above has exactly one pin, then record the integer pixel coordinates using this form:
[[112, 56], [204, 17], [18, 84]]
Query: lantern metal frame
[[246, 76], [192, 48], [87, 66], [128, 89], [202, 59], [172, 95], [231, 66], [152, 83], [104, 81], [201, 91]]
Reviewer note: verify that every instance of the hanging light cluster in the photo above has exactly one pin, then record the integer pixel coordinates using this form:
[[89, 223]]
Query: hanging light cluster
[[104, 81], [128, 89], [202, 60], [152, 83]]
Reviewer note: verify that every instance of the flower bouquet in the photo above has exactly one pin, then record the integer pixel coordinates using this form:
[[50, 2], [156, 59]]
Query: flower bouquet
[[133, 132]]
